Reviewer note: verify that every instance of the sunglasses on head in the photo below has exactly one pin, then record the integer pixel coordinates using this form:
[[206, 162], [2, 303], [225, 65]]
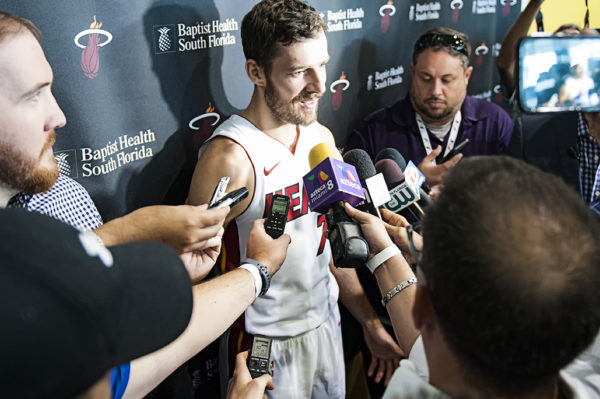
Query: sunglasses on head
[[439, 39]]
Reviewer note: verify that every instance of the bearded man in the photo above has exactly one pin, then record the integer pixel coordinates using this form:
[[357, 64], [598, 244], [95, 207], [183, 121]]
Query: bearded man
[[437, 114], [265, 148]]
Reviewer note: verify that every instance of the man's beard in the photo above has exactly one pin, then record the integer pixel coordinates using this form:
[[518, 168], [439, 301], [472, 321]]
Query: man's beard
[[286, 112], [431, 117], [19, 171]]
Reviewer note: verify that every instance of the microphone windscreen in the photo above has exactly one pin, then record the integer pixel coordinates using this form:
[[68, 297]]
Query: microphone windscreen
[[319, 153], [391, 172], [394, 155], [362, 162]]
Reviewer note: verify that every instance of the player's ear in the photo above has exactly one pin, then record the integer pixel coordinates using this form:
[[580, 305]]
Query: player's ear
[[256, 73]]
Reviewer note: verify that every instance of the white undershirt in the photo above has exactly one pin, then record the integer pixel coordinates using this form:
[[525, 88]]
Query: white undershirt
[[440, 131]]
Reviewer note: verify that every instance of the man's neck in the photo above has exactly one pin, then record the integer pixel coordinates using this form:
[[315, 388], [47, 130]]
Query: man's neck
[[430, 122], [6, 193], [259, 114], [448, 375]]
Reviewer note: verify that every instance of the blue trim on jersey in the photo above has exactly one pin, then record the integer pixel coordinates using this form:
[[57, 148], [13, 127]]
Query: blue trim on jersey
[[119, 378]]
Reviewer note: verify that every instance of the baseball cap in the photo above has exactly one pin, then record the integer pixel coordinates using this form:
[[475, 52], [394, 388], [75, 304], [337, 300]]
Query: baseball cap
[[72, 309]]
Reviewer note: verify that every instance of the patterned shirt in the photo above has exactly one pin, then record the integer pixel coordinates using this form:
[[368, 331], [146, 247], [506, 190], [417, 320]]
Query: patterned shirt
[[66, 201], [589, 162]]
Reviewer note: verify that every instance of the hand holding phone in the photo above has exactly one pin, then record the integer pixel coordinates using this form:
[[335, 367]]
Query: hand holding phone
[[457, 149]]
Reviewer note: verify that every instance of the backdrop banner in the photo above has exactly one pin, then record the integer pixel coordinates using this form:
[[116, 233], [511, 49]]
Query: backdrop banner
[[143, 83]]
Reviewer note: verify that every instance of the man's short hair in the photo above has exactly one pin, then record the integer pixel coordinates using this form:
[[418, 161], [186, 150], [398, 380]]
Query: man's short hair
[[277, 21], [511, 259], [452, 41], [565, 27], [11, 24]]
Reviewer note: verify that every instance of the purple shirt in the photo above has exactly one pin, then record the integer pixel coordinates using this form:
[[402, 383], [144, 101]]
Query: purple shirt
[[485, 124]]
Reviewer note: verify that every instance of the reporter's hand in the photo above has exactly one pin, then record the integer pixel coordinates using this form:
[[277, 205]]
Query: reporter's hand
[[242, 386], [198, 263], [395, 226], [184, 228], [435, 173], [372, 228], [436, 191], [261, 247]]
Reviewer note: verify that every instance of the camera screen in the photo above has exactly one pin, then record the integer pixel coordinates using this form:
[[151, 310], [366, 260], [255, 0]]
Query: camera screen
[[559, 74]]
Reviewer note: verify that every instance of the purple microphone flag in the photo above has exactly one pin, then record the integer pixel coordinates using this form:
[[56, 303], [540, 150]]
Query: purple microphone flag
[[330, 181]]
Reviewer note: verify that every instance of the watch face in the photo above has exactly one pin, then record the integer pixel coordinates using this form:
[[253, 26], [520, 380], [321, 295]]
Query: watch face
[[260, 347]]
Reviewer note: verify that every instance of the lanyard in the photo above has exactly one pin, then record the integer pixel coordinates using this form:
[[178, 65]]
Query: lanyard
[[451, 139]]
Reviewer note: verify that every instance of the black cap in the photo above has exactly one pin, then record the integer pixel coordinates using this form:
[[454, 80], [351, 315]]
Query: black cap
[[72, 309]]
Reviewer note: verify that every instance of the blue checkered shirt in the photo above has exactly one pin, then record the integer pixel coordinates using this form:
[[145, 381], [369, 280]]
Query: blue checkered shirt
[[589, 162], [66, 201]]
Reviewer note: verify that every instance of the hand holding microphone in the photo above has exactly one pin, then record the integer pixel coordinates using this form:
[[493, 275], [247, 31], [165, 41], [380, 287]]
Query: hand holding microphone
[[329, 183]]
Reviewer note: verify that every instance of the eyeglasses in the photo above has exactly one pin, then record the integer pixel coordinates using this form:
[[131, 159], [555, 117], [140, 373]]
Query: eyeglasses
[[439, 39], [414, 252]]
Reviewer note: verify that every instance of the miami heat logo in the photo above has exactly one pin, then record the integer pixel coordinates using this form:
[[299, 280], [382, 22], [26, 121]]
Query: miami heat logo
[[346, 174], [205, 130], [480, 51], [90, 60], [455, 6], [386, 11], [337, 88], [497, 94], [506, 5]]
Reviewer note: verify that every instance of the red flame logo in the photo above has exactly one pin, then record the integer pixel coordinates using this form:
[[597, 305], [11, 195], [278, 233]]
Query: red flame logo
[[337, 88], [90, 60], [386, 11]]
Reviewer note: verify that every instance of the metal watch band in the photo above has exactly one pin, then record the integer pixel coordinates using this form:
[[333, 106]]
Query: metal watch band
[[397, 289]]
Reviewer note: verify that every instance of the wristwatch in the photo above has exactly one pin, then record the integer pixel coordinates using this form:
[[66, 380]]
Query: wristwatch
[[264, 274]]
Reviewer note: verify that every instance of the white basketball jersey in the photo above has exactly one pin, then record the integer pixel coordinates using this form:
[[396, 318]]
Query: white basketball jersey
[[303, 290]]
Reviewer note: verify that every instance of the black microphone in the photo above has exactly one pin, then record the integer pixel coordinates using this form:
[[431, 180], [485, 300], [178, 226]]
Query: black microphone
[[394, 155], [374, 185]]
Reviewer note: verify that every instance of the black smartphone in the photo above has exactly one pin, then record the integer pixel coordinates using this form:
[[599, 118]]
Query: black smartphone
[[457, 149], [219, 190], [275, 224], [260, 355], [231, 199]]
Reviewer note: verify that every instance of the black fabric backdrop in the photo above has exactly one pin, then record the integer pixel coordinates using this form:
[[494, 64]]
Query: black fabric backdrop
[[143, 83]]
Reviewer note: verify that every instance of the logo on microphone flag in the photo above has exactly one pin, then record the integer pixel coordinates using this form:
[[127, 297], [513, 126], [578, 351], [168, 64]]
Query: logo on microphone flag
[[332, 180], [346, 173], [414, 178], [322, 177]]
